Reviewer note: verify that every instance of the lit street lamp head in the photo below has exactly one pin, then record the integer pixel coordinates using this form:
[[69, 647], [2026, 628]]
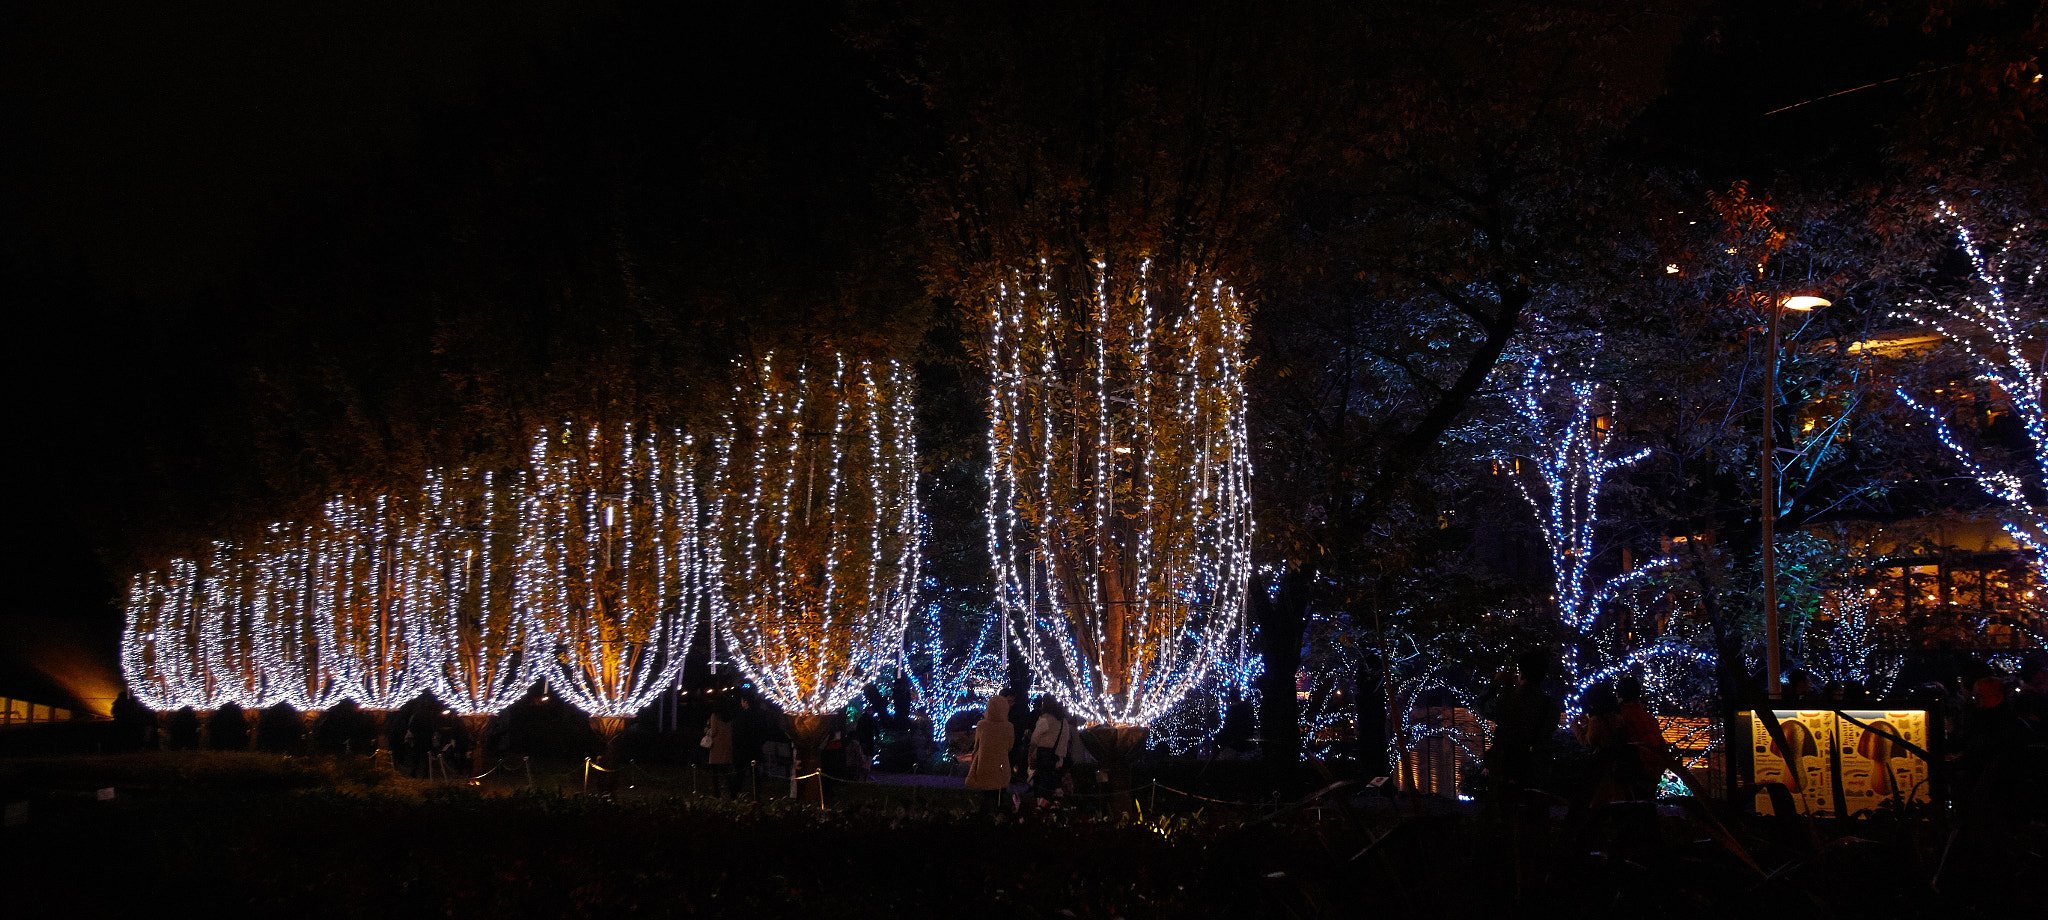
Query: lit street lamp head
[[1805, 302]]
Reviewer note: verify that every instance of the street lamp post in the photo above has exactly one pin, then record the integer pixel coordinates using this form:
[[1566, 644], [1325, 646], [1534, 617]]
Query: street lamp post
[[1773, 666]]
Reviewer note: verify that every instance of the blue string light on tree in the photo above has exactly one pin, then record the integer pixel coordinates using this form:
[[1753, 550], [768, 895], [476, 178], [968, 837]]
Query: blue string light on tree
[[1997, 324]]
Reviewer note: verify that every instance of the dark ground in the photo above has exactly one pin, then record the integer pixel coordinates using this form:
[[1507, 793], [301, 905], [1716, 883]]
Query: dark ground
[[235, 834]]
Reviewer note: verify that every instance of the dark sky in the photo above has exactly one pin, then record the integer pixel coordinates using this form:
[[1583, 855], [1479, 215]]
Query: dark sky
[[179, 176]]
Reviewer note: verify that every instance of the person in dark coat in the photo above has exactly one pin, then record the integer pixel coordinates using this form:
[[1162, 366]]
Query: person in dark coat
[[749, 732], [1525, 720], [718, 756]]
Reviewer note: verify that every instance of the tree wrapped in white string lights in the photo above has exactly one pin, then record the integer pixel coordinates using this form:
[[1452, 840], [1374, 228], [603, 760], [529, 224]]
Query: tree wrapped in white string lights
[[472, 587], [816, 553], [2000, 324], [366, 576], [188, 641], [1847, 647], [610, 547], [1118, 516], [160, 644], [294, 629]]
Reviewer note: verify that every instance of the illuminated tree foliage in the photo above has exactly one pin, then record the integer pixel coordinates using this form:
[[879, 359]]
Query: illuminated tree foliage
[[815, 511], [2000, 326], [1847, 647], [189, 639], [477, 577], [370, 582], [159, 646], [610, 534], [296, 630], [1118, 515]]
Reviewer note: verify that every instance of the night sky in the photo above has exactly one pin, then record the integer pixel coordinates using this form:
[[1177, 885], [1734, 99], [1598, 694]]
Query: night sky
[[204, 200]]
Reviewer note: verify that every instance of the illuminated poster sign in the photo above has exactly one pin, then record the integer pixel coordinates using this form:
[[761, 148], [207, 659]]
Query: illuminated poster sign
[[1833, 766], [1876, 768], [1804, 769]]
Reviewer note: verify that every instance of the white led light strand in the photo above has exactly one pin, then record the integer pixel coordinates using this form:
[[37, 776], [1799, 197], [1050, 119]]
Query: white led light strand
[[613, 522], [1998, 323], [365, 586], [476, 581], [1119, 517], [815, 512], [295, 630]]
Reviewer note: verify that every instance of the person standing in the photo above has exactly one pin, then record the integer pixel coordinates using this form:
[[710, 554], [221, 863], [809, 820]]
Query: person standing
[[1051, 745], [1525, 720], [718, 731], [989, 772]]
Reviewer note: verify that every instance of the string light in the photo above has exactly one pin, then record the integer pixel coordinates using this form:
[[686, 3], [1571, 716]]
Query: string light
[[294, 633], [367, 589], [1118, 514], [948, 678], [476, 579], [1848, 647], [610, 536], [1997, 325], [1572, 463], [815, 512]]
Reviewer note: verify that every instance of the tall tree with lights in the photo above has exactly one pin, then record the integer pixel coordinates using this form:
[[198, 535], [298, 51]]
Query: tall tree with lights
[[476, 579], [369, 583], [295, 630], [1118, 515], [1999, 324], [189, 641], [612, 515], [817, 535]]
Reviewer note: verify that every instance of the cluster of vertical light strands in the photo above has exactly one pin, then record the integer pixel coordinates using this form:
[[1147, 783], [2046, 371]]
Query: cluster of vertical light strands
[[371, 576], [1998, 323], [307, 616], [609, 547], [472, 627], [814, 503], [1119, 516]]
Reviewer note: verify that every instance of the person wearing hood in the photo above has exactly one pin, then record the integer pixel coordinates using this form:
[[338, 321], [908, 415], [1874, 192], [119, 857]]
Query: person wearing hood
[[993, 738]]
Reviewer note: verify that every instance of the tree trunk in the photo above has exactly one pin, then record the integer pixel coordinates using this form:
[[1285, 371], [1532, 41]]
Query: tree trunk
[[255, 719], [608, 728], [309, 720], [1115, 748], [476, 724], [1281, 620], [807, 734]]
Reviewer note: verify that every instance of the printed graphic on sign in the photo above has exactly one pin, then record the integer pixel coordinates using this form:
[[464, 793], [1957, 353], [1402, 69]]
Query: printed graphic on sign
[[1804, 768], [1876, 768]]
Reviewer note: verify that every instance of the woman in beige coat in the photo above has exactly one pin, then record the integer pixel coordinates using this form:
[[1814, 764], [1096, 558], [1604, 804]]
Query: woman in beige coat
[[993, 737]]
